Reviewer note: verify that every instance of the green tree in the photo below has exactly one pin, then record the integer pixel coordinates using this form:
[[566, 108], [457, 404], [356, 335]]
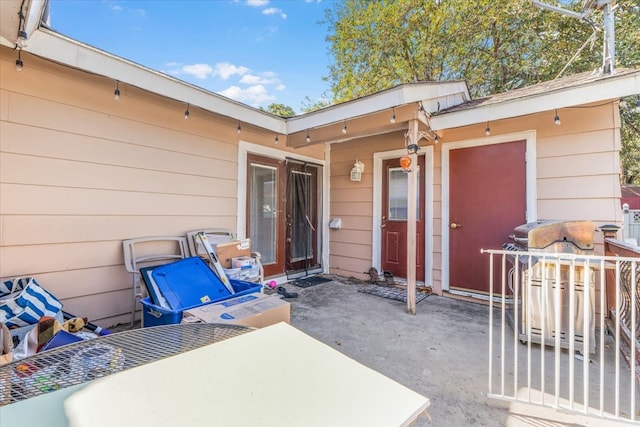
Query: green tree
[[279, 110], [493, 46], [630, 136], [309, 105]]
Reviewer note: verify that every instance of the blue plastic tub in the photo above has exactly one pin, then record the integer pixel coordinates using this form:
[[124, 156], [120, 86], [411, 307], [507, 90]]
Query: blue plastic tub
[[153, 315], [185, 283]]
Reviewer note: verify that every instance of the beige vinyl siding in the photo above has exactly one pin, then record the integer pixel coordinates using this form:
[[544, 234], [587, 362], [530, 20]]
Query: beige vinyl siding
[[577, 178], [577, 166], [350, 249], [578, 170], [80, 172]]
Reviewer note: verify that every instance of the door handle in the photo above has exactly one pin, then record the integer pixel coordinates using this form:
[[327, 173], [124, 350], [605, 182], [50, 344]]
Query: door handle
[[454, 225], [383, 226]]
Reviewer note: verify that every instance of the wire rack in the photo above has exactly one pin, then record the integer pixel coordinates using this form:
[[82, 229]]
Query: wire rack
[[84, 361]]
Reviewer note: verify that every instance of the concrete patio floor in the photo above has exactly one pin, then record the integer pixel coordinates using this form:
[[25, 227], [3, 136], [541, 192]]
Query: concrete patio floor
[[440, 352]]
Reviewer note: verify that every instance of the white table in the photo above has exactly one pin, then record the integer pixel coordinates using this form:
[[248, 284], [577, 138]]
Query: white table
[[275, 376]]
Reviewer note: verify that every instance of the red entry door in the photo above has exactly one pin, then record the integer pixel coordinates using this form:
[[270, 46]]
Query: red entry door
[[394, 219], [487, 199]]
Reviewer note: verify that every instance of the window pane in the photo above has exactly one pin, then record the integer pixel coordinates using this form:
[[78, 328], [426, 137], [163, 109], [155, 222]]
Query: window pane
[[301, 233], [398, 195], [263, 210]]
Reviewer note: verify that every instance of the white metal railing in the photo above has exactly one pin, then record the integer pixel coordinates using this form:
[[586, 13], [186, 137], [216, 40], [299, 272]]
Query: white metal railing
[[631, 224], [546, 340]]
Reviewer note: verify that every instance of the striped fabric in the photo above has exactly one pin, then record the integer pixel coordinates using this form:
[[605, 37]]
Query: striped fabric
[[23, 302]]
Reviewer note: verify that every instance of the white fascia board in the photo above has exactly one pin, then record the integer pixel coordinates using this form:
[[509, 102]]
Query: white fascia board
[[600, 90], [56, 47], [34, 16], [385, 100]]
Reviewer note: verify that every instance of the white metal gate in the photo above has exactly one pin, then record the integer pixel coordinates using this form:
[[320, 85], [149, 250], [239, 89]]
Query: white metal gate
[[631, 224], [546, 340]]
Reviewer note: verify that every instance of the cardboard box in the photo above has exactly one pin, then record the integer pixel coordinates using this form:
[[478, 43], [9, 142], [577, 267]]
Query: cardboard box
[[254, 310], [242, 262], [243, 273], [227, 251]]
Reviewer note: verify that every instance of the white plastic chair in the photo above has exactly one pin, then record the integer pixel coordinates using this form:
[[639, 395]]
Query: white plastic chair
[[148, 251]]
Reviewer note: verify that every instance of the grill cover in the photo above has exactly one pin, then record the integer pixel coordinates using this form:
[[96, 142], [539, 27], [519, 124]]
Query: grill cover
[[561, 236]]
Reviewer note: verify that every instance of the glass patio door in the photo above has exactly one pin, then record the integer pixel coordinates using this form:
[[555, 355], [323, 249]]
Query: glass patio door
[[265, 211]]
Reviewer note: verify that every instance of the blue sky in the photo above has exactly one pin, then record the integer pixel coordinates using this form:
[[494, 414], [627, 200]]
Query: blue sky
[[254, 51]]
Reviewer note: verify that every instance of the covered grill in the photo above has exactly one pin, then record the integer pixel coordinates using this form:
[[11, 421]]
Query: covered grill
[[538, 280], [555, 237]]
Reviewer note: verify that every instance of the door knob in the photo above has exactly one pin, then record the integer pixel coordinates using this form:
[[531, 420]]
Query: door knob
[[454, 225], [383, 225]]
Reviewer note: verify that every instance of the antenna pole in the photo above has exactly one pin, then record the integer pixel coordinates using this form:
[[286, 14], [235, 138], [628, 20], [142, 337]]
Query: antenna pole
[[609, 53], [552, 8], [609, 49]]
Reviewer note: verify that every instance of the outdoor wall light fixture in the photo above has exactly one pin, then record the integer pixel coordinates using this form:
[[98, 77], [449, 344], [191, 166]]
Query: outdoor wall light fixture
[[487, 130], [344, 128], [436, 138], [186, 113], [556, 119], [19, 63], [116, 93], [356, 171], [239, 128], [393, 116], [308, 137], [277, 140]]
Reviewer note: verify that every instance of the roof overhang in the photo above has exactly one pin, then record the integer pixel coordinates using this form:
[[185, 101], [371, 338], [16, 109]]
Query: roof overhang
[[426, 102], [433, 96], [32, 10], [597, 90], [54, 46], [59, 48]]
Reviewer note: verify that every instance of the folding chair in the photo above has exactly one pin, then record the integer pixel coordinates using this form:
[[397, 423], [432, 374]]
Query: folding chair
[[148, 251], [216, 236]]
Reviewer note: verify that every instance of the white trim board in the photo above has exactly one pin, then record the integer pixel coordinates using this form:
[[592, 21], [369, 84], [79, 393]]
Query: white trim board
[[530, 174], [376, 243], [596, 91]]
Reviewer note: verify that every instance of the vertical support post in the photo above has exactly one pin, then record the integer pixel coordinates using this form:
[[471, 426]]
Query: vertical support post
[[412, 181]]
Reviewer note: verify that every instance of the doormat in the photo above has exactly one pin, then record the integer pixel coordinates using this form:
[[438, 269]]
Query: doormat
[[397, 294], [310, 281]]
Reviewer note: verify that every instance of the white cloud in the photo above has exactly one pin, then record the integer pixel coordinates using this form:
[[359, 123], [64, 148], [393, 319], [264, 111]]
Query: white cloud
[[257, 3], [200, 71], [252, 95], [274, 11], [116, 7], [224, 70], [281, 87], [267, 78]]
